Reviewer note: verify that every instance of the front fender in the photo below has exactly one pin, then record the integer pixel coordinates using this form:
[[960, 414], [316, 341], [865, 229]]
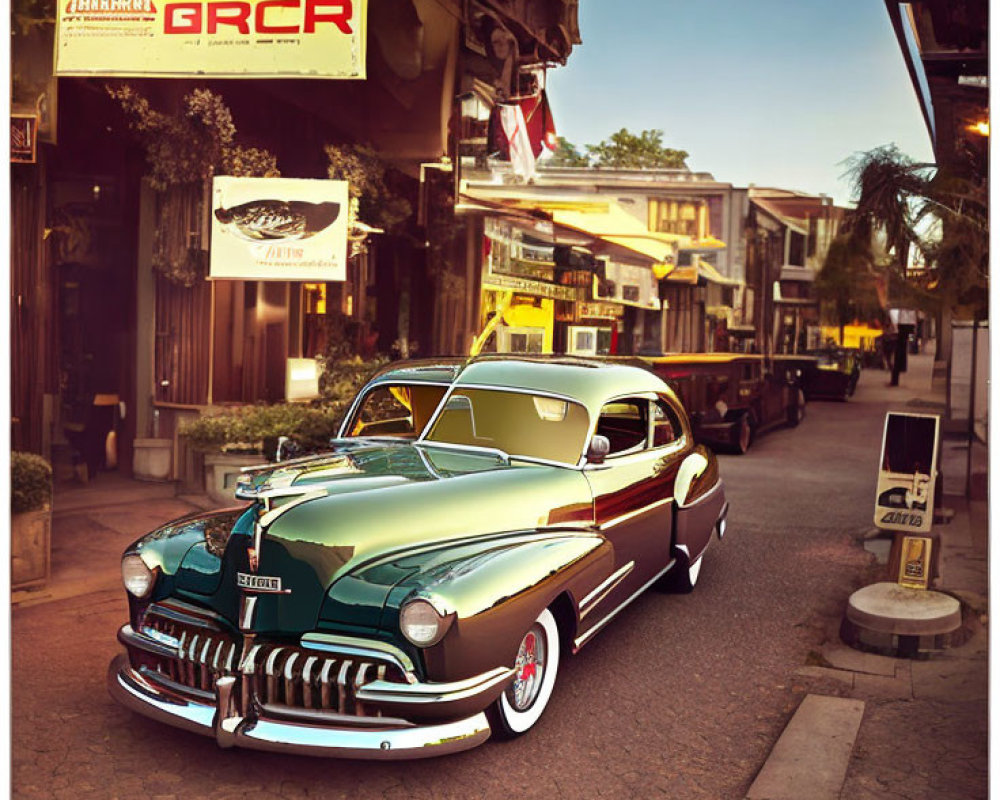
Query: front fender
[[496, 595]]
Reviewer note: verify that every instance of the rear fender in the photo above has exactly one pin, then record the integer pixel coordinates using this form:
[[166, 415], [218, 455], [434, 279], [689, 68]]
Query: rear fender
[[700, 502]]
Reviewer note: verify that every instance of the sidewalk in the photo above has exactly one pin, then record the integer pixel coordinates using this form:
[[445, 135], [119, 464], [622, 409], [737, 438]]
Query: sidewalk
[[873, 726], [93, 523]]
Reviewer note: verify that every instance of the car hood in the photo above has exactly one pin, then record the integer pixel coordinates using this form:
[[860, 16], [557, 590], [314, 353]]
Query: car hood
[[384, 511]]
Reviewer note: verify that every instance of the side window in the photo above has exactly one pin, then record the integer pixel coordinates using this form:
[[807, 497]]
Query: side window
[[626, 425], [396, 410], [666, 425]]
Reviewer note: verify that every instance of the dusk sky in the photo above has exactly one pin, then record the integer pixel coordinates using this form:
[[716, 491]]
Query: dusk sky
[[774, 93]]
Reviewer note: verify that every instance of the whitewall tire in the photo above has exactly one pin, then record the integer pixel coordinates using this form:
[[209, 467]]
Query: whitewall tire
[[535, 668]]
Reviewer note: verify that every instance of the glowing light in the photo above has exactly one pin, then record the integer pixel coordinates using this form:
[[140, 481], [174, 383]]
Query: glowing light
[[982, 128]]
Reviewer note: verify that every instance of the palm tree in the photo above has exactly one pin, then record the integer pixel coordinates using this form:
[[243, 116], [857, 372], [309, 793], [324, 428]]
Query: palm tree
[[939, 215]]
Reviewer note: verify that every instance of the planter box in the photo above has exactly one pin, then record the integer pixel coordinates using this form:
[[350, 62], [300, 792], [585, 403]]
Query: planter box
[[152, 459], [221, 473], [30, 548]]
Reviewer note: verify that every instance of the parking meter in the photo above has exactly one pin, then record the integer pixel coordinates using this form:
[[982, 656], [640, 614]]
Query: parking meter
[[904, 500]]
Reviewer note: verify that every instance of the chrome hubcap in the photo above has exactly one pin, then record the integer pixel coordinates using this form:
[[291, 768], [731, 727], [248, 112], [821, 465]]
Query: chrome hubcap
[[529, 668]]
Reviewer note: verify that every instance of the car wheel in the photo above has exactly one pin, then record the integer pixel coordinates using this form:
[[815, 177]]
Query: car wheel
[[797, 412], [522, 703], [744, 434]]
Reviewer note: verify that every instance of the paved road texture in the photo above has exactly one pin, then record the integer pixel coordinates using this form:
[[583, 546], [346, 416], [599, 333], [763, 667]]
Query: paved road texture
[[681, 697]]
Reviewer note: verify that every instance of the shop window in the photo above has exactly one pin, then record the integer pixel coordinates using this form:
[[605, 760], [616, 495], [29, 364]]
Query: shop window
[[582, 340], [520, 340]]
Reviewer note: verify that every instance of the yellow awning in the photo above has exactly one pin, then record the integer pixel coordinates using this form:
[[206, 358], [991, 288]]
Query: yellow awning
[[691, 274], [614, 224], [707, 243], [602, 219], [711, 274]]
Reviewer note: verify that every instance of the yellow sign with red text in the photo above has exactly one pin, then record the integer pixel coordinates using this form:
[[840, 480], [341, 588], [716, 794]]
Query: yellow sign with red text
[[212, 38]]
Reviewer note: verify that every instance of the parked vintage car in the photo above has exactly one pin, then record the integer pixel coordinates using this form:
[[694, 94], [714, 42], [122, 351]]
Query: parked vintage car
[[413, 590], [731, 397], [830, 373], [836, 375]]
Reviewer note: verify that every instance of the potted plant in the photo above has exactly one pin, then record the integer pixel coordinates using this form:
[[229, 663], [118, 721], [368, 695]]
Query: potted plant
[[152, 459], [234, 438], [31, 520]]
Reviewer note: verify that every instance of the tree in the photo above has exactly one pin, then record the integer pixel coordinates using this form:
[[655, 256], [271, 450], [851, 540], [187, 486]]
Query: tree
[[905, 206], [917, 205], [625, 150], [566, 155], [848, 285]]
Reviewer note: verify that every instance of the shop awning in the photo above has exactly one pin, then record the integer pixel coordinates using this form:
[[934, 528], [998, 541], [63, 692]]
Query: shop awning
[[701, 271], [707, 243], [603, 220], [614, 224]]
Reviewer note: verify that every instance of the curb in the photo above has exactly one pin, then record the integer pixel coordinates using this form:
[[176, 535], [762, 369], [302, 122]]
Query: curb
[[811, 756]]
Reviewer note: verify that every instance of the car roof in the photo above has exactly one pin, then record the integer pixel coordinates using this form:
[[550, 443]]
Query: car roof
[[589, 381]]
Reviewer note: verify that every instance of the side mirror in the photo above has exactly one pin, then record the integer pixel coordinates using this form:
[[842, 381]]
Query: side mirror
[[598, 449]]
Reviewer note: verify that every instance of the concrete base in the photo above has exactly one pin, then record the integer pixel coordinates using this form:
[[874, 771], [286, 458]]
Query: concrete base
[[893, 620]]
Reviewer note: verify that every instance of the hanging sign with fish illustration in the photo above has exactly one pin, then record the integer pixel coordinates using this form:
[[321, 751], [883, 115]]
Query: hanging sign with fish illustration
[[282, 229], [212, 38]]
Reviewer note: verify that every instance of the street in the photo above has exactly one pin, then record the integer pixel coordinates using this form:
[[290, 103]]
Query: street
[[682, 697]]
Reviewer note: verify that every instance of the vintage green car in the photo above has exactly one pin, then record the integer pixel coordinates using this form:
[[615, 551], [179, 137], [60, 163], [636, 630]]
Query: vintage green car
[[411, 591]]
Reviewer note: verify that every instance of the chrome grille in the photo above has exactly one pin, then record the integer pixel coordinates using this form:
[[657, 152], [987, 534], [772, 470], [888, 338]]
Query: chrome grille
[[204, 652], [307, 679], [272, 674]]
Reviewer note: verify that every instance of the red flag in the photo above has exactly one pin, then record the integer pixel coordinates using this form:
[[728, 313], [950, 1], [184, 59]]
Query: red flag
[[541, 126]]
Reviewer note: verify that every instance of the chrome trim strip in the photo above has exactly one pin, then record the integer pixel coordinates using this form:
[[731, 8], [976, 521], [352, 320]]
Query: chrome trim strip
[[540, 534], [320, 716], [348, 645], [289, 664], [379, 691], [170, 684], [269, 664], [142, 641], [179, 611], [301, 496], [580, 641], [246, 619], [397, 740], [247, 667], [603, 589], [611, 523], [477, 449]]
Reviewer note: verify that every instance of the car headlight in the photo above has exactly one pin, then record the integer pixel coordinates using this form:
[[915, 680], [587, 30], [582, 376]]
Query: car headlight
[[421, 623], [137, 577]]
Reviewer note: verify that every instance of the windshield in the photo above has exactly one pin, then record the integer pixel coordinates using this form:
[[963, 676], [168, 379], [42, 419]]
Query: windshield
[[520, 424]]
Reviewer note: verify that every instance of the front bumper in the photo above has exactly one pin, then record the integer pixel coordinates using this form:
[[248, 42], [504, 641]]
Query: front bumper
[[277, 697], [318, 734]]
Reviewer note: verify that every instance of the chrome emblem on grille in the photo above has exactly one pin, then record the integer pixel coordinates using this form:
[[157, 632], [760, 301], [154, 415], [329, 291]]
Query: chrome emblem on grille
[[260, 583]]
